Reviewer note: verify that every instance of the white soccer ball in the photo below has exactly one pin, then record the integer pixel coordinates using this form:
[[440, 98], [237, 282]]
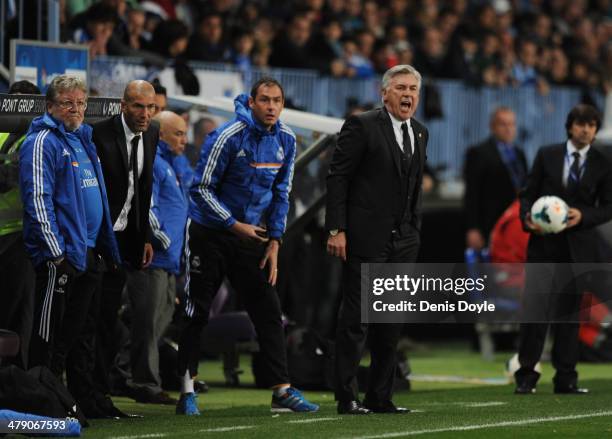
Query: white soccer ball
[[550, 213], [512, 365]]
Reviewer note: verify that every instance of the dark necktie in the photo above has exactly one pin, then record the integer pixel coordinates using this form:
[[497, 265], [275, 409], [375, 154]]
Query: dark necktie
[[517, 172], [406, 140], [573, 177], [134, 168]]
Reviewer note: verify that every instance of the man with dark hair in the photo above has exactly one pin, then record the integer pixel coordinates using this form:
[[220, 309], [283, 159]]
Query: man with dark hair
[[161, 98], [23, 88], [16, 295], [238, 213], [582, 176], [373, 216], [67, 232], [201, 129], [206, 42]]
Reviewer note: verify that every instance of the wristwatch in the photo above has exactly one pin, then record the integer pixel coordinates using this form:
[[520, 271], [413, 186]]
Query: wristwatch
[[334, 232]]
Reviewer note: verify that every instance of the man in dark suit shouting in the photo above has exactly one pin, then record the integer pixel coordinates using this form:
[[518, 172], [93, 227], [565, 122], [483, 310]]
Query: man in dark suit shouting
[[582, 176], [373, 202], [126, 144]]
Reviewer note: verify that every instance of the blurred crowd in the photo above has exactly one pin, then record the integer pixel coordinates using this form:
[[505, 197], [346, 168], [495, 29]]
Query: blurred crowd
[[494, 43]]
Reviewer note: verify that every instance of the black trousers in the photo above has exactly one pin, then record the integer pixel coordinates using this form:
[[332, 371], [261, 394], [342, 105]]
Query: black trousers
[[105, 317], [551, 300], [16, 293], [214, 255], [63, 299], [352, 334]]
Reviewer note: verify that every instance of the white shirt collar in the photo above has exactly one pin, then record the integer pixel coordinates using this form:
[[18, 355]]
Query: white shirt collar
[[572, 149], [398, 123]]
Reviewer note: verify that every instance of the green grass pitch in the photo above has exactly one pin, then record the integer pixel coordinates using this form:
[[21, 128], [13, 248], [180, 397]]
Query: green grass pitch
[[442, 409]]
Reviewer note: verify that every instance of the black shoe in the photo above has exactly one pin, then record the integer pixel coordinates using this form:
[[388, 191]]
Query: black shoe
[[114, 412], [385, 407], [92, 411], [107, 406], [200, 386], [524, 389], [571, 390], [352, 408], [155, 398]]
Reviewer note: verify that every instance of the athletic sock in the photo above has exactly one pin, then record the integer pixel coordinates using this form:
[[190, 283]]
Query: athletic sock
[[187, 383], [280, 391]]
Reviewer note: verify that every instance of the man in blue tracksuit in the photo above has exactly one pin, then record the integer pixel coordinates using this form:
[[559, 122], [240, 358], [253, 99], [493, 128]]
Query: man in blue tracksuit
[[238, 210], [67, 229], [152, 291]]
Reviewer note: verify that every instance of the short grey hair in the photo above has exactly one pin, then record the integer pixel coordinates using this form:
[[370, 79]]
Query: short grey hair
[[63, 83], [400, 69]]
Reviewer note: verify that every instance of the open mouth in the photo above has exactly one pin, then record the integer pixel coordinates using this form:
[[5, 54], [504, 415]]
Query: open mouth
[[406, 105]]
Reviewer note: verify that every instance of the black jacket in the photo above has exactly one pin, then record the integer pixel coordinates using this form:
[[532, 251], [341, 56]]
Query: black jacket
[[488, 186], [593, 199], [363, 185], [109, 138]]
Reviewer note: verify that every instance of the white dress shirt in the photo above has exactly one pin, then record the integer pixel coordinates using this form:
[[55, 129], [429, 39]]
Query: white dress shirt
[[122, 220], [399, 135], [569, 159]]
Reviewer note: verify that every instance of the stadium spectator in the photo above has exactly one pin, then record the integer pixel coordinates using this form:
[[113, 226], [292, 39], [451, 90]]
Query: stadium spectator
[[357, 65], [582, 176], [431, 54], [206, 43], [242, 47], [100, 20], [524, 69], [201, 129], [67, 233], [17, 293], [161, 97], [249, 158], [134, 37], [558, 73], [152, 291], [326, 49], [290, 48], [170, 38], [378, 162], [127, 145], [495, 170]]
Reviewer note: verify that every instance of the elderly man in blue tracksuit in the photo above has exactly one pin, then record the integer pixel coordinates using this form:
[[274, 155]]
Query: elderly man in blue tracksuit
[[238, 210], [67, 230], [152, 291]]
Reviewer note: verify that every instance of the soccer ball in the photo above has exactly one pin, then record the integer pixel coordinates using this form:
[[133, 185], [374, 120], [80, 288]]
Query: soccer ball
[[512, 365], [550, 213]]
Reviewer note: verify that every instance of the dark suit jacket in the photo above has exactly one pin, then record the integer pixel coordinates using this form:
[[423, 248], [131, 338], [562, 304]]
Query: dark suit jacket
[[488, 186], [363, 185], [109, 137], [593, 199]]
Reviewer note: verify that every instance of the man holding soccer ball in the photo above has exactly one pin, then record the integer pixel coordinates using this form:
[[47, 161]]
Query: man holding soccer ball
[[581, 176]]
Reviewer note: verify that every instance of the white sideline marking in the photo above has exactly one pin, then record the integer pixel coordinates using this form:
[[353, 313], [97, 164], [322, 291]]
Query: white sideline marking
[[223, 429], [308, 421], [482, 426], [457, 379], [484, 404], [141, 436]]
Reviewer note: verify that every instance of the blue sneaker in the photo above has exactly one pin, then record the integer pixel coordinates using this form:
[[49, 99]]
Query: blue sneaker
[[188, 405], [292, 401]]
